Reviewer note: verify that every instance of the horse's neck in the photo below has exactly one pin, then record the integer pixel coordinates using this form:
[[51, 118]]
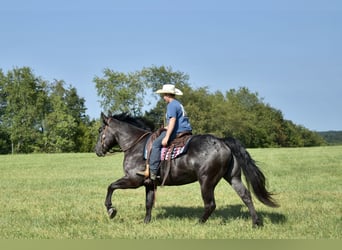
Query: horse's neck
[[126, 135]]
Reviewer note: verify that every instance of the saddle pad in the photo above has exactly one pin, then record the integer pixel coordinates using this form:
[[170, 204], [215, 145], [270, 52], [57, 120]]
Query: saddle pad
[[167, 152]]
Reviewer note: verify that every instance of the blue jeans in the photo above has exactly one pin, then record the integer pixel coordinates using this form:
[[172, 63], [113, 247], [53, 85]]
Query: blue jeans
[[156, 151]]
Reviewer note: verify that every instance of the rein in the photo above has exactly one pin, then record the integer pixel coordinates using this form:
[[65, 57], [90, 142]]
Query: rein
[[135, 142]]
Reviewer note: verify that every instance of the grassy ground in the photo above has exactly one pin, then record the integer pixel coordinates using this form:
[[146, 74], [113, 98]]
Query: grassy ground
[[61, 196]]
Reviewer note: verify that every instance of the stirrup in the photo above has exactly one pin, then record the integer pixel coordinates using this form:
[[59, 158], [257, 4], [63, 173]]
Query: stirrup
[[153, 176]]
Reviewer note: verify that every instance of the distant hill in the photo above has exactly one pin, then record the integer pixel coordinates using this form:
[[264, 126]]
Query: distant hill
[[332, 137]]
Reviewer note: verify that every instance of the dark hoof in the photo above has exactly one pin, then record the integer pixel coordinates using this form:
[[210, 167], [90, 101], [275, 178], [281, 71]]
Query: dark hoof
[[112, 212], [202, 221], [258, 223], [147, 220]]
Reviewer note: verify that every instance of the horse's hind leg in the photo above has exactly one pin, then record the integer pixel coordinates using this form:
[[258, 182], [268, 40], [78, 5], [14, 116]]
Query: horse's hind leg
[[246, 197], [150, 196], [208, 197]]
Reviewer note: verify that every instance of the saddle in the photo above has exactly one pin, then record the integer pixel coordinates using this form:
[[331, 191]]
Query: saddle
[[176, 148]]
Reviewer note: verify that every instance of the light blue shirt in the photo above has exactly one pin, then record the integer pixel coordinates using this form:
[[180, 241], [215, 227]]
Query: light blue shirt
[[176, 109]]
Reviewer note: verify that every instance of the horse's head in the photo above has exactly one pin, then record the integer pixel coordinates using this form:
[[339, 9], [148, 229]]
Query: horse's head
[[106, 138], [122, 129]]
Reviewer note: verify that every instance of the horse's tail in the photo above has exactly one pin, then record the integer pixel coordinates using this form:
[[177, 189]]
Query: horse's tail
[[254, 176]]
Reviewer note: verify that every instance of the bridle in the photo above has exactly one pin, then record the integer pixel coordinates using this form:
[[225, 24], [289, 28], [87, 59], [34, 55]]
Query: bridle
[[103, 136]]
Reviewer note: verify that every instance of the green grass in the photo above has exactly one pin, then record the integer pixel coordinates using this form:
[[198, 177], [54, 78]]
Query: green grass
[[61, 196]]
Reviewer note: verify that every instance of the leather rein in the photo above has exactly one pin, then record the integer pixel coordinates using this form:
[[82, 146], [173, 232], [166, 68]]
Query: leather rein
[[135, 142], [124, 149]]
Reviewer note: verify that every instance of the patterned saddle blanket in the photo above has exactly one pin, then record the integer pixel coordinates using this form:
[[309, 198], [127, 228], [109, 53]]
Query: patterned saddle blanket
[[170, 153], [177, 147]]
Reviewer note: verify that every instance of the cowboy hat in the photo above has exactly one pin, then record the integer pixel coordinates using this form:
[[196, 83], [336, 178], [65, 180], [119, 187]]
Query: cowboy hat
[[169, 89]]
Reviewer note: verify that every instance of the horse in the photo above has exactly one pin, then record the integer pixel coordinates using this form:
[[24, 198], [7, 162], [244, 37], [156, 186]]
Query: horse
[[208, 159]]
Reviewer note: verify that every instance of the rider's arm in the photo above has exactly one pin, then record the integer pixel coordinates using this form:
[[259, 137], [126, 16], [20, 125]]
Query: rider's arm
[[170, 127]]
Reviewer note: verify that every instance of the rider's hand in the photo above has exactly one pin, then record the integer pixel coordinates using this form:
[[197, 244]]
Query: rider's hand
[[165, 141]]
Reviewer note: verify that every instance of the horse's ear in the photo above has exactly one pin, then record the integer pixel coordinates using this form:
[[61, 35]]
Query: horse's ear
[[104, 118], [110, 113]]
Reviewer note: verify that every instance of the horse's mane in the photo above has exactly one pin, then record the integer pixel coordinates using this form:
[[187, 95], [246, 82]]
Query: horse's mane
[[140, 122]]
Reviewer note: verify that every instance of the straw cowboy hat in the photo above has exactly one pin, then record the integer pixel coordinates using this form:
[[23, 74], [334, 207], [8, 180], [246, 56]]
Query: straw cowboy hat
[[169, 89]]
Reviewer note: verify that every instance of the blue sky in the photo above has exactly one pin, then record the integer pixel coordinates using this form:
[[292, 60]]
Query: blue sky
[[290, 52]]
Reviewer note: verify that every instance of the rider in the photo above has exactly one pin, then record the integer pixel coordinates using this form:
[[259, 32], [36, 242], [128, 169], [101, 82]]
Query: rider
[[177, 122]]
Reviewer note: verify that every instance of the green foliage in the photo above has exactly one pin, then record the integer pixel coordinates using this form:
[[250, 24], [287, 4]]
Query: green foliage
[[332, 137], [5, 141], [38, 116], [243, 115], [87, 135], [155, 77], [121, 92], [22, 106], [41, 116], [237, 113], [126, 92]]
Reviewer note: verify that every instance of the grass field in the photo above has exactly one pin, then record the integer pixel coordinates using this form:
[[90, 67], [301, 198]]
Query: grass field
[[61, 196]]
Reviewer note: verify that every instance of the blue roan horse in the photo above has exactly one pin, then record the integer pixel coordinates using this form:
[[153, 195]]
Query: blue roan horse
[[208, 160]]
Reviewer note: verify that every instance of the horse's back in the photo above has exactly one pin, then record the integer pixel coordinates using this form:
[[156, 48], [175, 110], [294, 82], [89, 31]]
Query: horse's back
[[206, 155]]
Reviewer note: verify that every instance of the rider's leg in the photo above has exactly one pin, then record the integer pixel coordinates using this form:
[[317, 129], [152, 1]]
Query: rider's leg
[[155, 155]]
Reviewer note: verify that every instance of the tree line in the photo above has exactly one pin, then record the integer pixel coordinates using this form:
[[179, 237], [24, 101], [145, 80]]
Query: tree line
[[237, 113], [41, 116], [332, 137]]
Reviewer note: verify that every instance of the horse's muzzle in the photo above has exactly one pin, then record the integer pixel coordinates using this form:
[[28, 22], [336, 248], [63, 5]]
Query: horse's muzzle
[[100, 151]]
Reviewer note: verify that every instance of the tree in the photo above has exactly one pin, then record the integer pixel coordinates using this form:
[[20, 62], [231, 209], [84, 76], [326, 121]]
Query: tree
[[200, 107], [65, 122], [87, 135], [154, 78], [244, 115], [38, 116], [60, 127], [5, 141], [22, 109], [3, 96], [121, 92]]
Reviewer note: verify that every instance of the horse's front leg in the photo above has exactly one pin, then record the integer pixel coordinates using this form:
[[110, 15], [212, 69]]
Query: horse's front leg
[[150, 189], [108, 202], [123, 183]]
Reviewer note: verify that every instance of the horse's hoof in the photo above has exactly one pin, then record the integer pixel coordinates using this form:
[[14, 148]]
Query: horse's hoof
[[112, 212], [258, 223], [147, 220], [201, 221]]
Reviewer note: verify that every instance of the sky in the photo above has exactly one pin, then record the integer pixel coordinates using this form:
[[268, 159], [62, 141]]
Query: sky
[[289, 52]]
